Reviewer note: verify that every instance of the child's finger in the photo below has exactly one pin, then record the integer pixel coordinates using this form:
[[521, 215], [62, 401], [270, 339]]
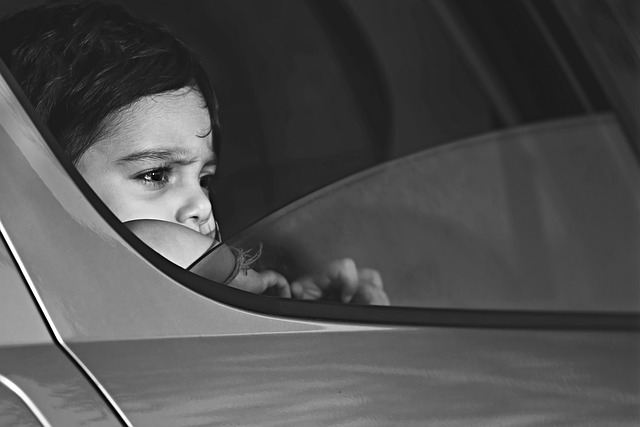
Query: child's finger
[[371, 276], [342, 276], [277, 282], [305, 288]]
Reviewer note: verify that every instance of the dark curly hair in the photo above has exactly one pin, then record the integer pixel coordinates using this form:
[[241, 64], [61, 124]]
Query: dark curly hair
[[80, 63]]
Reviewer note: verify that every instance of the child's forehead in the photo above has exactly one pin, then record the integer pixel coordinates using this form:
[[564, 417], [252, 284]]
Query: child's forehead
[[184, 106], [175, 123]]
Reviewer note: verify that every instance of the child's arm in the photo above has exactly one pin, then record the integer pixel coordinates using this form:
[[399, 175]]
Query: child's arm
[[183, 247], [341, 280], [175, 242]]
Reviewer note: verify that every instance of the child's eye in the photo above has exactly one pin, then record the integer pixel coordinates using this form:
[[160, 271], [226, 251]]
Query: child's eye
[[156, 177]]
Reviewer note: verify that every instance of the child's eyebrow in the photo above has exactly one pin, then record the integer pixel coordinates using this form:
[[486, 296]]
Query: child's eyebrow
[[167, 156]]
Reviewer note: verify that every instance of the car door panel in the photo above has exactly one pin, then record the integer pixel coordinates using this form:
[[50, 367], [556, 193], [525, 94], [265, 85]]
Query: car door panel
[[405, 376]]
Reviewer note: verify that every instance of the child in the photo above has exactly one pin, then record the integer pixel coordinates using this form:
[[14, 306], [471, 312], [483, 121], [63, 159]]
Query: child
[[134, 110]]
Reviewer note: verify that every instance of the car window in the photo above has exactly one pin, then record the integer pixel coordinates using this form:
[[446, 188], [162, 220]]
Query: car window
[[472, 172]]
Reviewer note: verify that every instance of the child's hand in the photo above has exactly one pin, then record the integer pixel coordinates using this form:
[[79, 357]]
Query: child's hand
[[265, 282], [339, 281], [342, 281]]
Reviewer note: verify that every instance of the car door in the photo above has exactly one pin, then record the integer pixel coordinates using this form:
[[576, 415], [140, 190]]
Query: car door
[[162, 346], [166, 347]]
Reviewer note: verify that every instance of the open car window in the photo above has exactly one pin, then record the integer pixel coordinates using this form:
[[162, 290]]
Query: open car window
[[480, 193]]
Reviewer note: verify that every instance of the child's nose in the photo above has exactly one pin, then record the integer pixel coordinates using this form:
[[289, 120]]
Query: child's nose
[[195, 209]]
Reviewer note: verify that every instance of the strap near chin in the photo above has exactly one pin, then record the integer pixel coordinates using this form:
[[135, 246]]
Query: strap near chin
[[219, 264]]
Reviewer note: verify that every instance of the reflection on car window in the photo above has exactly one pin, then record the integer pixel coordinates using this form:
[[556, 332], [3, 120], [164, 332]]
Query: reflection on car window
[[509, 220]]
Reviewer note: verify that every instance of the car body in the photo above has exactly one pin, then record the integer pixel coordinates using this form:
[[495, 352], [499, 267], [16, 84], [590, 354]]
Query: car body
[[510, 258]]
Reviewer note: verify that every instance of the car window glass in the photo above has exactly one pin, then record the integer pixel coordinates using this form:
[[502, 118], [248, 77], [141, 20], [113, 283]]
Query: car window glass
[[489, 221]]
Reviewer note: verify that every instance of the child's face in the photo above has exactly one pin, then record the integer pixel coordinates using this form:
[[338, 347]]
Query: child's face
[[155, 161]]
